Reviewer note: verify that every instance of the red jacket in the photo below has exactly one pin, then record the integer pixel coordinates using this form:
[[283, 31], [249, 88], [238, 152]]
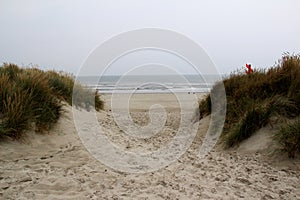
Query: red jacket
[[249, 69]]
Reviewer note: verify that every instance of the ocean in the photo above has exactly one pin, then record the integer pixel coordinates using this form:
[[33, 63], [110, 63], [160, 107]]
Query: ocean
[[150, 83]]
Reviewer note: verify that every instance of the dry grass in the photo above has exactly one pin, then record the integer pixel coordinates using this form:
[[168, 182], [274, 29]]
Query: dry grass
[[34, 97], [289, 137], [252, 99]]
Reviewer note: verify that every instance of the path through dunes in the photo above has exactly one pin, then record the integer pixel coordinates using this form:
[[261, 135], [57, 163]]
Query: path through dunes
[[57, 166]]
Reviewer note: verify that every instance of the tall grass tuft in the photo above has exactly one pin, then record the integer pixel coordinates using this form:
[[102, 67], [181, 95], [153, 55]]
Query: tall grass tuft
[[252, 99], [45, 105], [62, 84], [34, 97], [289, 137], [16, 113]]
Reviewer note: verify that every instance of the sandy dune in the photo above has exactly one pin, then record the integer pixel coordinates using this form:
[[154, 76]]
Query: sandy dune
[[56, 165]]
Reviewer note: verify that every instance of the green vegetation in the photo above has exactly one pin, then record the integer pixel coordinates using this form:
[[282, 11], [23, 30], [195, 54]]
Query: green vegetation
[[289, 137], [34, 97], [252, 99]]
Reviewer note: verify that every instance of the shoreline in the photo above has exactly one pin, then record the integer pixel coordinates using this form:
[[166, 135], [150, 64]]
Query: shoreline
[[143, 101]]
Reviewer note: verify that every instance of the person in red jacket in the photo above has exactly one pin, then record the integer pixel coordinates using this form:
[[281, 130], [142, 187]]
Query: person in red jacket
[[249, 70]]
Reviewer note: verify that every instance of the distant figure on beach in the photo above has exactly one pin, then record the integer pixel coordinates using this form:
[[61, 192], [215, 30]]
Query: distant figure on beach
[[249, 70]]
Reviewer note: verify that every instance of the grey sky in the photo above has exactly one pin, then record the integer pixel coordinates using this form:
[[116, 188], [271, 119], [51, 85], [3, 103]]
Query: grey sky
[[60, 34]]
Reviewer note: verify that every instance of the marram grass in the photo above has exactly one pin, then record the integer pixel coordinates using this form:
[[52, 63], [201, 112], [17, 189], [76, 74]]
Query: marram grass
[[252, 99], [35, 97]]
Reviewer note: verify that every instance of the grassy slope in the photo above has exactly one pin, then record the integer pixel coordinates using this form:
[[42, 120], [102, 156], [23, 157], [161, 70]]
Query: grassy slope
[[253, 99], [32, 96]]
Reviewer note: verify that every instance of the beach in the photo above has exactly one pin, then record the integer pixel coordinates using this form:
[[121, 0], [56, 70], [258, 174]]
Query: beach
[[57, 165]]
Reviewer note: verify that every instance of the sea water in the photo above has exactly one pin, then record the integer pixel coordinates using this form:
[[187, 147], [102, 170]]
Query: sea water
[[151, 83]]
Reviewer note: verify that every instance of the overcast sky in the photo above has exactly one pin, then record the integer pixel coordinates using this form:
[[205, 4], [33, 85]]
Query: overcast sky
[[60, 34]]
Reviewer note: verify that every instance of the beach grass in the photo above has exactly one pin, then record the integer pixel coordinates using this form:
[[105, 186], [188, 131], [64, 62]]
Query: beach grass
[[252, 99], [289, 137], [33, 98]]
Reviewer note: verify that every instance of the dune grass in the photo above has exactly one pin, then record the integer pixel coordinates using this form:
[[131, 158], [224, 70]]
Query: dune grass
[[289, 137], [252, 99], [32, 98]]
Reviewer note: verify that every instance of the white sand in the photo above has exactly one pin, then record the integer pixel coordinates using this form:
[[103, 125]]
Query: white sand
[[56, 165]]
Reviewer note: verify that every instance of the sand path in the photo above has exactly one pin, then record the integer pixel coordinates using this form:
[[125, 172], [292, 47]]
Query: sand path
[[57, 166]]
